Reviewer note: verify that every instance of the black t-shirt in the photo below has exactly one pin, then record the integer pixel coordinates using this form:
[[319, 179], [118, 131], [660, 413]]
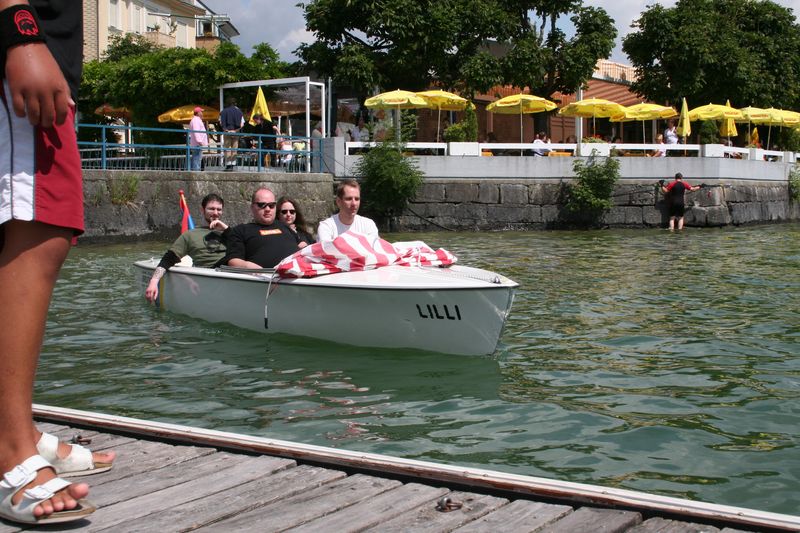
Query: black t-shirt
[[62, 25], [677, 192], [263, 245]]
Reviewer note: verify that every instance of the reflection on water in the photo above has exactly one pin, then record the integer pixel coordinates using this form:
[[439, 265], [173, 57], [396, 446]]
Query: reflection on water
[[636, 359]]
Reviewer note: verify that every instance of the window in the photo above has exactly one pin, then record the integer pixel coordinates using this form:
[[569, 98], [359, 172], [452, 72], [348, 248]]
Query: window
[[113, 14], [137, 17]]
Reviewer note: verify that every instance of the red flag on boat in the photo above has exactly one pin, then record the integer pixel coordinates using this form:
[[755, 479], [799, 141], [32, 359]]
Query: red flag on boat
[[352, 251], [186, 221]]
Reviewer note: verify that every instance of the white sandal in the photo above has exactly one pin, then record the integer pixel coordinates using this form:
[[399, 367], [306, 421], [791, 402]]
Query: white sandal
[[22, 512], [78, 463]]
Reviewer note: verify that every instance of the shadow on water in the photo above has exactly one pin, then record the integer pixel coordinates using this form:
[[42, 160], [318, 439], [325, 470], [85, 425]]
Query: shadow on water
[[639, 359]]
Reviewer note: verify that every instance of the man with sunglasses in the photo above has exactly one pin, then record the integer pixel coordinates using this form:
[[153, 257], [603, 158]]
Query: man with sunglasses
[[263, 242], [205, 245]]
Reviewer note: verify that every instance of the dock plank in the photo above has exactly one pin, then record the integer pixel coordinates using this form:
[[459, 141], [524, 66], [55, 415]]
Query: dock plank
[[663, 525], [592, 520], [143, 456], [296, 510], [427, 519], [238, 500], [519, 516], [141, 495], [375, 510]]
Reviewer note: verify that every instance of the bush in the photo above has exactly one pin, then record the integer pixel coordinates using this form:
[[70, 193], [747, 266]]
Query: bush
[[389, 179], [708, 132], [464, 131], [589, 196], [794, 184]]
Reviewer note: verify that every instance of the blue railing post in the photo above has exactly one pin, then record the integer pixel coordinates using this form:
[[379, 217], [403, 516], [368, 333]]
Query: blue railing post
[[189, 151], [103, 148]]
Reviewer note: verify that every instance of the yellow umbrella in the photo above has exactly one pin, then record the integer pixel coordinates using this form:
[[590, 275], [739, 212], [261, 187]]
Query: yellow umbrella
[[185, 113], [778, 117], [517, 104], [754, 139], [644, 111], [259, 108], [714, 112], [438, 99], [592, 107], [684, 128], [728, 126], [397, 100]]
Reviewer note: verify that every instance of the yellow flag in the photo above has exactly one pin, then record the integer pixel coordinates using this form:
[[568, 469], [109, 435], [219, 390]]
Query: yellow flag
[[260, 107], [754, 140]]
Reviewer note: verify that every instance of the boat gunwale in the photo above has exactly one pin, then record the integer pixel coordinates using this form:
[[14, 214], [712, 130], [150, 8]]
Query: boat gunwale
[[261, 277]]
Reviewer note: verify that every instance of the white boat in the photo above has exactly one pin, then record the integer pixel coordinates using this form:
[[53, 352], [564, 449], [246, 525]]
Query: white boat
[[457, 309]]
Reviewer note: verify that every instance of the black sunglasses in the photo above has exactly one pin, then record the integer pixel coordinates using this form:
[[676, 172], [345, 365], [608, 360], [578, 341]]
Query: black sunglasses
[[262, 205], [287, 211]]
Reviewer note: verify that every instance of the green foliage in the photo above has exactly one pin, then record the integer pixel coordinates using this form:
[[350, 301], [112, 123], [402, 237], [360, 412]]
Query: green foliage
[[794, 183], [123, 191], [388, 179], [408, 125], [712, 50], [708, 132], [787, 139], [464, 131], [590, 193], [149, 81], [410, 43]]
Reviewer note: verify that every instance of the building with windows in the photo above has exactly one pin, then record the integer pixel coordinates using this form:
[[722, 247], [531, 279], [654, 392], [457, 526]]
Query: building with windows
[[168, 23]]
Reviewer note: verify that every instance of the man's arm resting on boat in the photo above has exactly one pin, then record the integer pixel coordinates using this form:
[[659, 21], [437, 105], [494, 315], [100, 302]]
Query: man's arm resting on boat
[[167, 261], [241, 263]]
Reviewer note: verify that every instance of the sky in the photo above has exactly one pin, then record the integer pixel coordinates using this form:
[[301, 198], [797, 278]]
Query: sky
[[281, 24]]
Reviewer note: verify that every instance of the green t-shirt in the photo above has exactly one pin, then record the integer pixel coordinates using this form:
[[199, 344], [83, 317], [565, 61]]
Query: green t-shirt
[[205, 247]]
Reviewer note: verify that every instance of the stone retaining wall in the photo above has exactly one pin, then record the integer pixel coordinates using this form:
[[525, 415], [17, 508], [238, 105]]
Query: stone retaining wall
[[144, 204], [494, 204]]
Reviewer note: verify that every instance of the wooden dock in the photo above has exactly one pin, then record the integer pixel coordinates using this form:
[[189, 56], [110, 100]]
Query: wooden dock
[[175, 478]]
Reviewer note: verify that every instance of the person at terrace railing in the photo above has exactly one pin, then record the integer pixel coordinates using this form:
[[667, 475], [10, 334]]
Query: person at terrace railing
[[231, 120], [205, 245], [660, 151], [198, 138], [671, 133], [266, 131]]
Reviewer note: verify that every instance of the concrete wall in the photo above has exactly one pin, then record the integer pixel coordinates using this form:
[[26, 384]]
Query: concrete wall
[[144, 204]]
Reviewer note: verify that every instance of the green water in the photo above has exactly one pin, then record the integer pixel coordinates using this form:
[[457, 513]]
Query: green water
[[638, 359]]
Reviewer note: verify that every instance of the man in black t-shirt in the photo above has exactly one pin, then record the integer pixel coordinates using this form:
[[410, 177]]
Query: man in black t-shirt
[[675, 193], [264, 242]]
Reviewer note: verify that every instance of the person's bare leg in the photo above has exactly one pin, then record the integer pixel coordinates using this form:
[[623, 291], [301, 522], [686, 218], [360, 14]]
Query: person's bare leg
[[680, 223], [671, 223], [30, 261]]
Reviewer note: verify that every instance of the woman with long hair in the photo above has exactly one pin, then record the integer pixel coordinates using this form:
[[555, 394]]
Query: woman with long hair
[[290, 214]]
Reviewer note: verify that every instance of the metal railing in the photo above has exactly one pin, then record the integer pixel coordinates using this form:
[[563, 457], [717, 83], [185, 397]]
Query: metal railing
[[253, 153]]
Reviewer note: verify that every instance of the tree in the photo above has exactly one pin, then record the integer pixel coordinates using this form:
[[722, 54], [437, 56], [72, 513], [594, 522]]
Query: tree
[[151, 80], [714, 50], [468, 45]]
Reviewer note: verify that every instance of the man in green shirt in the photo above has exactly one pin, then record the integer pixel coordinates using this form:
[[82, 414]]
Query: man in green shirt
[[205, 245]]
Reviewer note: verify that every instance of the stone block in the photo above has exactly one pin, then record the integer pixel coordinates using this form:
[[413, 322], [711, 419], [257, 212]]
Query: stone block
[[506, 215], [550, 213], [745, 212], [653, 216], [488, 193], [623, 216], [512, 194], [430, 192], [461, 192], [718, 216], [774, 211], [695, 216], [644, 196], [544, 193]]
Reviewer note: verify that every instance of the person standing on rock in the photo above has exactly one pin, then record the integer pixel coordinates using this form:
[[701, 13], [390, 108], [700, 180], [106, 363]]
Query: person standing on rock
[[675, 193]]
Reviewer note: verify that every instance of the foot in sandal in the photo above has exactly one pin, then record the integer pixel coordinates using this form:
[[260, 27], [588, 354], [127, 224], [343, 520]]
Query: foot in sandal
[[31, 494], [73, 460]]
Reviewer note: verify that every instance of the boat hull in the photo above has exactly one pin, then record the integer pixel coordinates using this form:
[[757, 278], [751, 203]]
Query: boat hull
[[454, 310]]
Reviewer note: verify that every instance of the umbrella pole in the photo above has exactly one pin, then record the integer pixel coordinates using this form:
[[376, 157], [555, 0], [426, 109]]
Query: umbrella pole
[[521, 140], [438, 123]]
